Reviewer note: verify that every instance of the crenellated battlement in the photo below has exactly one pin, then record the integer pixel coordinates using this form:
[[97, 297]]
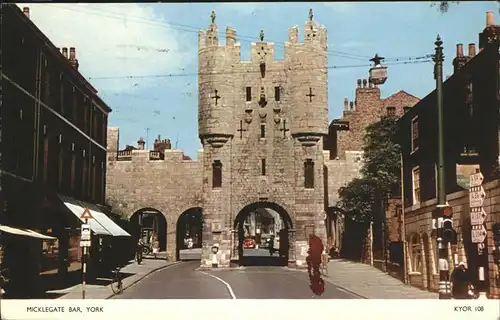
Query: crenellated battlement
[[314, 39]]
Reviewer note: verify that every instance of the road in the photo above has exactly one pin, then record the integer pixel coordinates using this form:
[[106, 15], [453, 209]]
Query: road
[[183, 281]]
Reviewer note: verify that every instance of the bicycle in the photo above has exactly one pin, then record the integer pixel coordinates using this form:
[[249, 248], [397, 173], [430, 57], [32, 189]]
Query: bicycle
[[117, 284]]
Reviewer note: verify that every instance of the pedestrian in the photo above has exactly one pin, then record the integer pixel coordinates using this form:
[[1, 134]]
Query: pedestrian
[[460, 282], [271, 245]]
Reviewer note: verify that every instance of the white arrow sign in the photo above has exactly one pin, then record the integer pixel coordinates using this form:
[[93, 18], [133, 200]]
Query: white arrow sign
[[476, 196], [477, 216], [478, 234], [476, 179]]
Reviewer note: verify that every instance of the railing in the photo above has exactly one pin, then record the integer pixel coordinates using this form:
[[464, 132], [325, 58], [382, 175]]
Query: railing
[[156, 155], [124, 155]]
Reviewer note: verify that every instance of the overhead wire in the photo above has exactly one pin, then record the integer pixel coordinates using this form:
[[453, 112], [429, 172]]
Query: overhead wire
[[193, 29]]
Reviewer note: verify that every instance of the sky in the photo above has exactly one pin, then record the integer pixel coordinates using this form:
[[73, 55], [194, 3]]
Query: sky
[[142, 58]]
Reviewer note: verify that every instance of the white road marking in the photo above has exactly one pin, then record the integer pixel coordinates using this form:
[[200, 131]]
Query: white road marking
[[231, 292]]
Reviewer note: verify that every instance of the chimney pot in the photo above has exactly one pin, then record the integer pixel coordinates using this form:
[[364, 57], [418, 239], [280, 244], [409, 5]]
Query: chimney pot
[[65, 52], [72, 53], [351, 104], [359, 83], [364, 83], [346, 104], [472, 50], [26, 12], [460, 50], [490, 19]]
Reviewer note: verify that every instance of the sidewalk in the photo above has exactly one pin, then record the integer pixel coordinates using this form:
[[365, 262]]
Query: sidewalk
[[132, 273], [370, 283]]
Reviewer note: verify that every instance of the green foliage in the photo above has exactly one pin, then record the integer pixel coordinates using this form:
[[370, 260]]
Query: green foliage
[[444, 6], [381, 171]]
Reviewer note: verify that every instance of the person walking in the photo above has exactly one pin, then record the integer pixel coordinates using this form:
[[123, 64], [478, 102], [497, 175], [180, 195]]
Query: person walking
[[460, 282]]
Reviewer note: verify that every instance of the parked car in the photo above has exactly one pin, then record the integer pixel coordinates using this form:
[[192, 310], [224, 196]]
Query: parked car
[[249, 244]]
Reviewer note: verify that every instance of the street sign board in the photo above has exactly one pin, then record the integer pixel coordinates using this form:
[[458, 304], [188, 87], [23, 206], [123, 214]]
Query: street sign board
[[476, 196], [86, 214], [478, 234], [85, 236], [477, 216], [476, 179], [85, 243]]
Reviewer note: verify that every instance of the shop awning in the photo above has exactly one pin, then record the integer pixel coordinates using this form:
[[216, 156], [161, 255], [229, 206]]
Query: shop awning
[[101, 224], [25, 233]]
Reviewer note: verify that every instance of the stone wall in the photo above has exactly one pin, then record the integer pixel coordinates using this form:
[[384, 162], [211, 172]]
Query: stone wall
[[421, 241], [171, 186]]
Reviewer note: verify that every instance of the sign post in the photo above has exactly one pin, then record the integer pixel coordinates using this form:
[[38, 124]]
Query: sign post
[[85, 241], [478, 232]]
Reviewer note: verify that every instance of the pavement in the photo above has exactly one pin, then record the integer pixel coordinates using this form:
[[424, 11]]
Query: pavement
[[185, 281], [370, 283], [133, 273]]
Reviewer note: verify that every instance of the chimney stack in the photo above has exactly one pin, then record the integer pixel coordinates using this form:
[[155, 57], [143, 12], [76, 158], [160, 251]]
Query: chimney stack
[[460, 50], [26, 12], [72, 58], [346, 104], [65, 52], [140, 144], [472, 50], [490, 19]]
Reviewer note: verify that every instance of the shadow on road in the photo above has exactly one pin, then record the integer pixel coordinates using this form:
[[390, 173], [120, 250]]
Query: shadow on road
[[252, 261]]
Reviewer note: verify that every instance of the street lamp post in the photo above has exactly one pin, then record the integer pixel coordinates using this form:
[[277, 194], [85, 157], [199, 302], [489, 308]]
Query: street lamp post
[[444, 283]]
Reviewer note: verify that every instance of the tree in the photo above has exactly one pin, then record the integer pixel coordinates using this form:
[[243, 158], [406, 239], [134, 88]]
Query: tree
[[445, 5], [381, 172]]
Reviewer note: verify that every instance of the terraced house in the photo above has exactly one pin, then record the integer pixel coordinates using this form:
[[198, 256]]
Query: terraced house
[[471, 137]]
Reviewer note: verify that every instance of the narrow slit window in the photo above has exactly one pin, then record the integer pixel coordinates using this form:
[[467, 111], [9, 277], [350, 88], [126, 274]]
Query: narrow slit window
[[94, 176], [249, 93], [263, 167], [73, 170], [262, 130], [217, 174], [84, 176], [60, 168], [45, 157], [309, 174], [277, 93]]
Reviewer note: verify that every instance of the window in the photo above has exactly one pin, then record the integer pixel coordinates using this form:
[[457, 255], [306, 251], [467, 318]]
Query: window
[[60, 163], [391, 111], [73, 169], [263, 167], [309, 174], [249, 93], [416, 185], [416, 254], [45, 157], [84, 176], [414, 134], [277, 93], [217, 174], [262, 130], [406, 109], [94, 173], [74, 107]]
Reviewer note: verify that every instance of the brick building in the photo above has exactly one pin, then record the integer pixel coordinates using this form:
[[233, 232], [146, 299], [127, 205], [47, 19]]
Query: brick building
[[471, 138], [54, 128], [262, 124]]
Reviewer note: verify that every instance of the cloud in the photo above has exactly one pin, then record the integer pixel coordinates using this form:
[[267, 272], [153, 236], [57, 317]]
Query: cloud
[[114, 41]]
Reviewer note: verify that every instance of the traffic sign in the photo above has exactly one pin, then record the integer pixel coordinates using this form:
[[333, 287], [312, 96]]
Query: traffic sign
[[476, 196], [85, 243], [478, 234], [477, 216], [476, 179], [85, 236], [86, 214]]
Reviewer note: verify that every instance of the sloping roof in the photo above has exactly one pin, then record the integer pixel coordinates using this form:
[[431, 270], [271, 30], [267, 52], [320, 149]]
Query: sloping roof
[[55, 52], [398, 97]]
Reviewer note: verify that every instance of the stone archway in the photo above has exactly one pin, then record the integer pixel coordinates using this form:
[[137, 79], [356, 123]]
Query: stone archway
[[248, 225], [148, 224], [189, 227]]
